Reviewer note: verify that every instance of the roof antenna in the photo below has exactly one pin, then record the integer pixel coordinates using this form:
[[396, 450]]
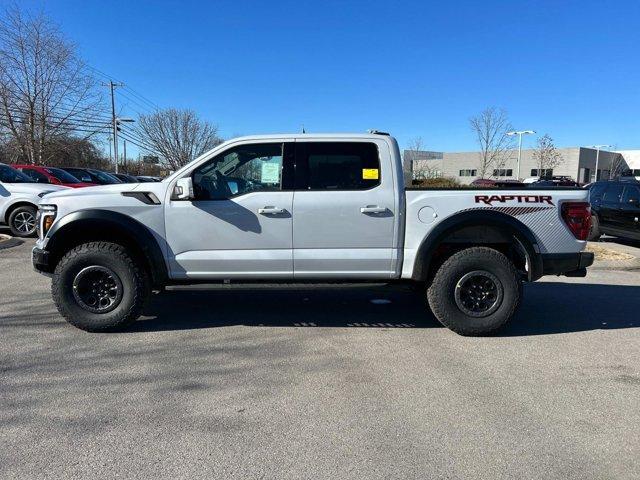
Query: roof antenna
[[303, 130]]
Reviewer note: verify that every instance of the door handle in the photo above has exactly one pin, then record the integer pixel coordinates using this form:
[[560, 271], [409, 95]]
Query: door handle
[[373, 209], [270, 211]]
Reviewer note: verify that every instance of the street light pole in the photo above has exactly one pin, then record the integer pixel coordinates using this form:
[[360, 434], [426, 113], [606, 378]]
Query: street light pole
[[598, 147], [520, 133]]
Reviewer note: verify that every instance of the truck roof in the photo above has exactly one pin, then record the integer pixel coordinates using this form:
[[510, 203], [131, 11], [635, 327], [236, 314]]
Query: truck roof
[[311, 135]]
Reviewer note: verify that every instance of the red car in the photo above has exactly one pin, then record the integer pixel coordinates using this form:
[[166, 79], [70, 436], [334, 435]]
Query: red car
[[53, 175]]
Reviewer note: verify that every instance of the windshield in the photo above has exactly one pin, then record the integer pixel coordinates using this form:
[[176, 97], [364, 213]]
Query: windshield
[[11, 175], [105, 177], [61, 175]]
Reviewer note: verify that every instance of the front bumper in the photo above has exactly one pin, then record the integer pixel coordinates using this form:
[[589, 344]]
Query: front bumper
[[569, 264], [40, 260]]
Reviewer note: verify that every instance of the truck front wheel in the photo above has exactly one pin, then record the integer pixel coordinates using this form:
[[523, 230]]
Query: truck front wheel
[[475, 291], [99, 287]]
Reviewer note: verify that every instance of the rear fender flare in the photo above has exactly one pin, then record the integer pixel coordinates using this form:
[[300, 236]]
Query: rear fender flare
[[518, 230]]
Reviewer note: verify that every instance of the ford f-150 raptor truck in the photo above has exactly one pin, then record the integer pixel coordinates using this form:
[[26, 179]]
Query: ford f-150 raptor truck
[[306, 208]]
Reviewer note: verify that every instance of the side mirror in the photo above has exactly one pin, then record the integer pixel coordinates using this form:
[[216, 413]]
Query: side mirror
[[183, 189]]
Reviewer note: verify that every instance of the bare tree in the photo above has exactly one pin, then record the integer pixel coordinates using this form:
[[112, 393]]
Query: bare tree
[[46, 92], [491, 127], [546, 155], [417, 165], [178, 136]]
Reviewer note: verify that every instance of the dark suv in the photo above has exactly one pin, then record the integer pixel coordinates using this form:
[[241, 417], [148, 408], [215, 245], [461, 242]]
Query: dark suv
[[615, 209]]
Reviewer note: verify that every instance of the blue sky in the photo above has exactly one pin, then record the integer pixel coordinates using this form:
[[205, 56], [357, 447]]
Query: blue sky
[[415, 68]]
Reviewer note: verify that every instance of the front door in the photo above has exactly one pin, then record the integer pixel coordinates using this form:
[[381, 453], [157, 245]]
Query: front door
[[610, 206], [344, 210], [239, 225], [630, 210]]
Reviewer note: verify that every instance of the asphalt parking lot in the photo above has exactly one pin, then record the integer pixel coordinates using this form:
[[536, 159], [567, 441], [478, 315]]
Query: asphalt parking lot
[[321, 383]]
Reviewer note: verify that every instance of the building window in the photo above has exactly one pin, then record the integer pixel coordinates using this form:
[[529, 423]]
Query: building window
[[468, 172], [542, 172], [502, 172]]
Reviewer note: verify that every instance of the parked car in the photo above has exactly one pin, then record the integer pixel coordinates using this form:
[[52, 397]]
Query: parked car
[[92, 175], [324, 208], [52, 175], [615, 209], [19, 197], [488, 182], [148, 178], [125, 177]]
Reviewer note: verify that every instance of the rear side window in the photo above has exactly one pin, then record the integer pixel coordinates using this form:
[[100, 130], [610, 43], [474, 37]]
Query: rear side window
[[613, 193], [337, 166]]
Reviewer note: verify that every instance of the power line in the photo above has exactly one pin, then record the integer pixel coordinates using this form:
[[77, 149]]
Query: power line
[[70, 118]]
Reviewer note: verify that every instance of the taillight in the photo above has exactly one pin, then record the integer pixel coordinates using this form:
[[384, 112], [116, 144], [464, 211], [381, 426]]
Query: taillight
[[577, 216]]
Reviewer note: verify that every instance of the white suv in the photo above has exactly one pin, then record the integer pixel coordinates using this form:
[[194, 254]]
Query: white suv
[[19, 198]]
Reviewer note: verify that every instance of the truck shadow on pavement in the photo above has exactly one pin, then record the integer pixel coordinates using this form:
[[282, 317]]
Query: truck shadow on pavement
[[548, 308]]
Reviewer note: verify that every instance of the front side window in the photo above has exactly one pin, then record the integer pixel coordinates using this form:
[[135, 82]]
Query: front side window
[[337, 165], [81, 174], [61, 175], [35, 175], [631, 195], [240, 170]]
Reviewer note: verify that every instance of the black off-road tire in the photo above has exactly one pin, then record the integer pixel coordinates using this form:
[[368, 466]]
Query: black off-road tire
[[594, 232], [441, 293], [18, 214], [131, 274]]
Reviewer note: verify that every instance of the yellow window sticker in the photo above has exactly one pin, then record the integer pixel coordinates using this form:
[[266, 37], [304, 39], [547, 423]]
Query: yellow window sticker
[[370, 174]]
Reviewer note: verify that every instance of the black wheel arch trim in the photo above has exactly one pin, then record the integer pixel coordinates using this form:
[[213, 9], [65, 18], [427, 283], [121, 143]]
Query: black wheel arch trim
[[132, 228], [481, 217]]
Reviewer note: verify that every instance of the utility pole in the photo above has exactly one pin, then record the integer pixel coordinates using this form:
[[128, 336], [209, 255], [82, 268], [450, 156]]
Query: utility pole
[[520, 133], [125, 156], [112, 86]]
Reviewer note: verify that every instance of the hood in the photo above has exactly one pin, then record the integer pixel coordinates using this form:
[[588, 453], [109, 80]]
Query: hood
[[116, 188], [34, 188]]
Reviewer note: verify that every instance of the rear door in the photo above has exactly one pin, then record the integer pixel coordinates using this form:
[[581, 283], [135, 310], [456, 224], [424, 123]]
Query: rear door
[[344, 210]]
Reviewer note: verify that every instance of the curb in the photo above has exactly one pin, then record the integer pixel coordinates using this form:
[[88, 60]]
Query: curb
[[11, 242], [623, 268]]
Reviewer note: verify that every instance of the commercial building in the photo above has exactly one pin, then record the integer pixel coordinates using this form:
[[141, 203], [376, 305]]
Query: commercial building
[[579, 163]]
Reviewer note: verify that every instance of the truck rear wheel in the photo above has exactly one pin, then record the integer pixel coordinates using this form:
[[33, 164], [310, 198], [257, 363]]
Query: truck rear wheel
[[475, 291], [99, 287], [594, 231]]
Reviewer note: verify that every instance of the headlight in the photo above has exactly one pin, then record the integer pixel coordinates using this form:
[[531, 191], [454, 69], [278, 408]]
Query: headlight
[[45, 218]]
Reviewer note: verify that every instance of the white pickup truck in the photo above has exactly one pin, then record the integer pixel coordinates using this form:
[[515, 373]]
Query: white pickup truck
[[301, 208]]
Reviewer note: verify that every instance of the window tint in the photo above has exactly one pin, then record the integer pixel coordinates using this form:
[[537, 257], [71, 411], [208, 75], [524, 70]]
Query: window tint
[[613, 193], [543, 172], [35, 175], [337, 165], [503, 172], [81, 175], [62, 175], [11, 175], [631, 194], [240, 170]]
